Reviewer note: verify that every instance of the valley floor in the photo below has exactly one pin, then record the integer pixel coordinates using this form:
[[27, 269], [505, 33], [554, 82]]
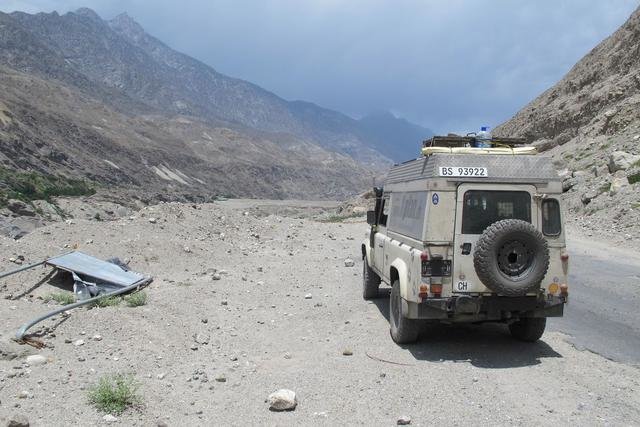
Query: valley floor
[[281, 315]]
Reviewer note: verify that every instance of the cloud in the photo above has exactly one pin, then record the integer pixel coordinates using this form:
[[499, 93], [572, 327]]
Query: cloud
[[447, 64]]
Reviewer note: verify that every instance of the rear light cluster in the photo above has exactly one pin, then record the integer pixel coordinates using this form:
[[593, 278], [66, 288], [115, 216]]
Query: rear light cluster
[[432, 271]]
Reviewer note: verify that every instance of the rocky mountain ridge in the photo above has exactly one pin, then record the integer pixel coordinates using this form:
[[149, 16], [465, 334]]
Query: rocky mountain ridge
[[589, 122]]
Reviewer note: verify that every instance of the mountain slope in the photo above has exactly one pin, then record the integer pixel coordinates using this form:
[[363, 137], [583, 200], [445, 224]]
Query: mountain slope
[[394, 137], [121, 55], [590, 123]]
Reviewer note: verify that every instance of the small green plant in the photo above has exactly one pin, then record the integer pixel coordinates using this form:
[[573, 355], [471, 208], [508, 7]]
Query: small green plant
[[341, 218], [137, 299], [106, 301], [114, 393], [63, 298], [604, 187], [634, 178]]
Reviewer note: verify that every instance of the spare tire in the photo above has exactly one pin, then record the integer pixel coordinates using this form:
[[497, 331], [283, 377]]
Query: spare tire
[[511, 257]]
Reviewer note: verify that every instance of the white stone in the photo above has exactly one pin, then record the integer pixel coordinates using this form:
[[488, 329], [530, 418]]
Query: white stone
[[153, 220], [36, 359], [349, 262], [78, 343], [109, 419], [308, 296], [283, 400]]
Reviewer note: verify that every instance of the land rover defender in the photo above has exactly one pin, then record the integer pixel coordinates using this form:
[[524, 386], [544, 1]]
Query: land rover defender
[[467, 234]]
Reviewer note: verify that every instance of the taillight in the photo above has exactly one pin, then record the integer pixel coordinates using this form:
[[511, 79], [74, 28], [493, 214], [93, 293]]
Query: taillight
[[564, 256], [436, 289]]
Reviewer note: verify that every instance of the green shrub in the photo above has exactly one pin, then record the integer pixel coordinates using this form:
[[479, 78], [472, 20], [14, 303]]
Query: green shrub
[[28, 186], [106, 301], [634, 178], [64, 298], [137, 299], [114, 393]]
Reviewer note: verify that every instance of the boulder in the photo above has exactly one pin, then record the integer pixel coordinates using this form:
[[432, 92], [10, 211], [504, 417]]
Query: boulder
[[18, 421], [620, 160], [618, 183], [20, 208], [587, 197], [283, 400]]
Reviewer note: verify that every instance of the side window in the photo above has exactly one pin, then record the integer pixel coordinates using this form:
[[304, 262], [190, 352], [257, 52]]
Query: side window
[[551, 224], [385, 212]]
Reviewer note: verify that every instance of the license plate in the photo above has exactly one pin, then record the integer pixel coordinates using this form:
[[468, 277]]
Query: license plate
[[465, 171]]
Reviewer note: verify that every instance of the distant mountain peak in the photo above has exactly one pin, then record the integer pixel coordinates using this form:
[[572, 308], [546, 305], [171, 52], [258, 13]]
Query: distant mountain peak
[[88, 13], [127, 25]]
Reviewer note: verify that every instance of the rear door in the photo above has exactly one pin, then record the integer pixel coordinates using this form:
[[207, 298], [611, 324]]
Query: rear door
[[478, 206]]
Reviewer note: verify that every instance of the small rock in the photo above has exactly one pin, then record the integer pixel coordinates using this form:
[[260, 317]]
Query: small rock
[[620, 160], [23, 394], [216, 276], [349, 262], [283, 400], [224, 302], [161, 375], [109, 419], [97, 337], [153, 220], [221, 378], [347, 352], [308, 296], [18, 421], [36, 359], [187, 249], [404, 420], [475, 379], [78, 343]]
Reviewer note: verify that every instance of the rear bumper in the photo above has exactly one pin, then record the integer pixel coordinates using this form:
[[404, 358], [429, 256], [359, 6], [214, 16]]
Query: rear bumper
[[484, 308]]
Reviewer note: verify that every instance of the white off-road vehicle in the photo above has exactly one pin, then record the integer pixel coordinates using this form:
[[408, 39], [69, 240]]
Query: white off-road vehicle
[[467, 234]]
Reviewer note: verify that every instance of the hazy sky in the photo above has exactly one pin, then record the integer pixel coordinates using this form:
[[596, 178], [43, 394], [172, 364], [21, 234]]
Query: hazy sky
[[450, 65]]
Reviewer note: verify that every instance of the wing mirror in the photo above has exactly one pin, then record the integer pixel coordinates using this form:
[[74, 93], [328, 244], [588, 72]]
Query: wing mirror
[[371, 217]]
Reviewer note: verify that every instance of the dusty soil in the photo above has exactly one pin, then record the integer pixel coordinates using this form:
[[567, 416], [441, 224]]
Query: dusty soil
[[258, 329]]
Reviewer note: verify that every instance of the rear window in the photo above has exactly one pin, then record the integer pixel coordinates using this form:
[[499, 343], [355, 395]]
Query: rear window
[[551, 224], [483, 208]]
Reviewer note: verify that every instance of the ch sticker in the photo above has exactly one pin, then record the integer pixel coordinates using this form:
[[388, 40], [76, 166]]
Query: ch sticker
[[435, 199]]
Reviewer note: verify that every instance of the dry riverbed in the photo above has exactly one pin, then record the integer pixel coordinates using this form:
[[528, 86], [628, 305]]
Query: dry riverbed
[[252, 297]]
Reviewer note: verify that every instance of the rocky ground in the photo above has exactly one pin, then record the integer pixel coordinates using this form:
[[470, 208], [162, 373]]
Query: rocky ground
[[252, 297]]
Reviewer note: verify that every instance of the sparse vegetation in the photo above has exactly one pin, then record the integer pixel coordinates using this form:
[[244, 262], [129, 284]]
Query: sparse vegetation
[[107, 301], [114, 393], [63, 298], [634, 178], [604, 188], [28, 186], [137, 299], [342, 218]]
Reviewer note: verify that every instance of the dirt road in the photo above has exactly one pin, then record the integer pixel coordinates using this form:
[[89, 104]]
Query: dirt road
[[210, 351]]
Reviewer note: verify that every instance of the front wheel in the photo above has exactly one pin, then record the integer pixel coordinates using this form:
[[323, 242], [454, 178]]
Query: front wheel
[[370, 281], [528, 329], [403, 330]]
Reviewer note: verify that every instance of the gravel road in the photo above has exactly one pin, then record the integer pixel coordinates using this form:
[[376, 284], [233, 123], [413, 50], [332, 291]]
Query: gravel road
[[282, 314]]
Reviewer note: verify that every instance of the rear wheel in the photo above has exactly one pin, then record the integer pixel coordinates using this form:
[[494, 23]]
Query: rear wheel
[[528, 329], [403, 330], [370, 281]]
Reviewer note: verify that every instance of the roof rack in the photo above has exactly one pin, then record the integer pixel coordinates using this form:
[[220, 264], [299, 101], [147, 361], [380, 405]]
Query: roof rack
[[468, 141]]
